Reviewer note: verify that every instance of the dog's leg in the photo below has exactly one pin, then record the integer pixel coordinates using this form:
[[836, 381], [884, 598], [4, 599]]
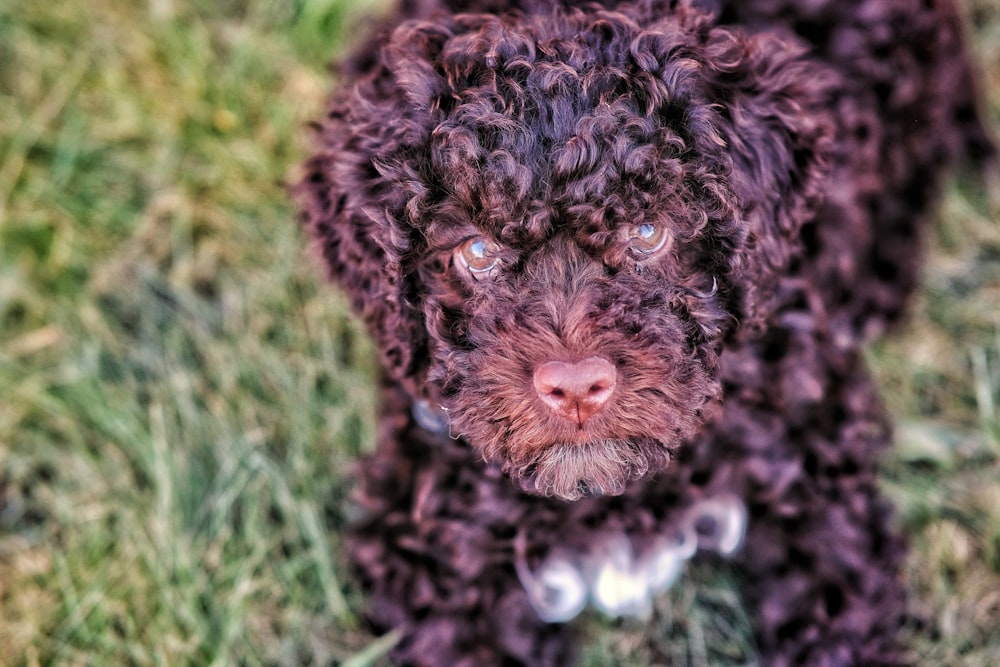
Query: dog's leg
[[434, 548], [831, 599], [822, 558]]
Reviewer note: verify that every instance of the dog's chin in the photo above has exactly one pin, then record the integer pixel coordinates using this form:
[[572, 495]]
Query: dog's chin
[[571, 471]]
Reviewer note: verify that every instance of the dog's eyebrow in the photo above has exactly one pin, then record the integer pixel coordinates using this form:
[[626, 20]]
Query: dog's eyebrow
[[440, 235]]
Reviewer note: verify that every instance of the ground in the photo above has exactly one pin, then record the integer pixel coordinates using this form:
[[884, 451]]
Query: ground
[[181, 397]]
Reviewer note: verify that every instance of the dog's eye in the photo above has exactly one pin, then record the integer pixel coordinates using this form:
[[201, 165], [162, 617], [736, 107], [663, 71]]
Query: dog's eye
[[478, 256], [648, 238]]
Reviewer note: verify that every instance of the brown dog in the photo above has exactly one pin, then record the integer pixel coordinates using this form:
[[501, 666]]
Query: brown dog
[[619, 261]]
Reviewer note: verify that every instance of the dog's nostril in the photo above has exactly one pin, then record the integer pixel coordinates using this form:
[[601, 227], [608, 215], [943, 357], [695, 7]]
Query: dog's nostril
[[575, 390]]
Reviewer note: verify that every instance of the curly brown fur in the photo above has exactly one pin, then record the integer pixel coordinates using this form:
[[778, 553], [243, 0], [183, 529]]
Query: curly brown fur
[[691, 215]]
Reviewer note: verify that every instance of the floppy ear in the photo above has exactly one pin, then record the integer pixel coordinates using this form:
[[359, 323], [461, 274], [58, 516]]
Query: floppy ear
[[776, 122], [358, 196], [351, 242]]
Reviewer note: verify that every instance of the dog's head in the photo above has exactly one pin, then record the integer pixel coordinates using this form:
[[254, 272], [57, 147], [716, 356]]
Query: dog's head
[[552, 223]]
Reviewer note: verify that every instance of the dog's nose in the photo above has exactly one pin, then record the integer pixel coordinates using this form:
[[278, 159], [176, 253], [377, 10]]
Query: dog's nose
[[575, 390]]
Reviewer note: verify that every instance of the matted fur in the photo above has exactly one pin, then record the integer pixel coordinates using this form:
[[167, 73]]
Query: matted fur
[[785, 152]]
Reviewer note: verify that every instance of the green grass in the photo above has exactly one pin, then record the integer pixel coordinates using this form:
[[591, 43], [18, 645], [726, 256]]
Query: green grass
[[181, 398]]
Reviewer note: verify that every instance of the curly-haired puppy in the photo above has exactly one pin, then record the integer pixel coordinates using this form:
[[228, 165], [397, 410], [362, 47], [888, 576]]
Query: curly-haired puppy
[[619, 259]]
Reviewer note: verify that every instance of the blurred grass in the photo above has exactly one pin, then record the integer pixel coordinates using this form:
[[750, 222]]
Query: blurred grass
[[180, 399]]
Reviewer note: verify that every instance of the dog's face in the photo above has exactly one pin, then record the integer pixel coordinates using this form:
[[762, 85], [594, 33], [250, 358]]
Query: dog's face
[[551, 225], [576, 362]]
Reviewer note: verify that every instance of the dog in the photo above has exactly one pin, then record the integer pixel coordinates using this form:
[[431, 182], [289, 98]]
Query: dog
[[619, 260]]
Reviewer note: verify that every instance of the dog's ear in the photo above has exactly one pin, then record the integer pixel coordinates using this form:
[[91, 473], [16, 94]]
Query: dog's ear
[[365, 194], [775, 107], [353, 197], [356, 246]]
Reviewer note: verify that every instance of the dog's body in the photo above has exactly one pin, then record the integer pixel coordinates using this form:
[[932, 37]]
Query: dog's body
[[619, 263]]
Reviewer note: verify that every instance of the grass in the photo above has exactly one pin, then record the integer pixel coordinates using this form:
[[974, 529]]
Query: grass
[[180, 397]]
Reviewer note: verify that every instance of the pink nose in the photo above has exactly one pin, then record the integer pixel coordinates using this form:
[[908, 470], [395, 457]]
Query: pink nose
[[575, 390]]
